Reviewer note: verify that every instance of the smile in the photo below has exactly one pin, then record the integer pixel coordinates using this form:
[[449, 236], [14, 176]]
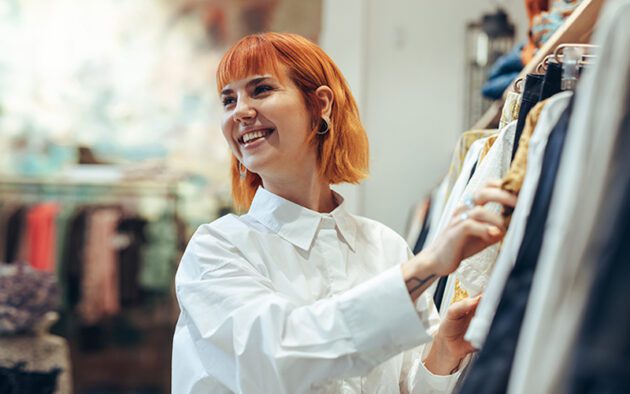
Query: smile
[[254, 136]]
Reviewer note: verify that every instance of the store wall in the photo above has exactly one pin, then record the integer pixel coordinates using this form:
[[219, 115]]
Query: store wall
[[407, 71]]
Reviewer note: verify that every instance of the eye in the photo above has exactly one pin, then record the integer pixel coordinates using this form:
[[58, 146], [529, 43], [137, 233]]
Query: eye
[[261, 89], [228, 101]]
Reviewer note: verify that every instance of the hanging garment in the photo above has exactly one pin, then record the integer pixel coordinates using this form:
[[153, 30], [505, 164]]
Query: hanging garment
[[491, 370], [159, 254], [99, 283], [424, 217], [513, 180], [130, 258], [473, 272], [458, 188], [10, 229], [553, 310], [510, 110], [73, 258], [529, 98], [535, 148], [460, 155], [552, 82], [15, 230], [417, 219], [601, 354], [41, 231], [285, 299]]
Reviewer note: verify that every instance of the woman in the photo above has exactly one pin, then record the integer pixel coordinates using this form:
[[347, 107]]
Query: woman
[[298, 295]]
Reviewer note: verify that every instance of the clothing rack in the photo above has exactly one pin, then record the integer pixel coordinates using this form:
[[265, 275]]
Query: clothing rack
[[87, 191], [577, 29]]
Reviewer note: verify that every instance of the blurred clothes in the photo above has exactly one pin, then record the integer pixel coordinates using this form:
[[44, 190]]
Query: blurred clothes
[[20, 381], [503, 72], [16, 224], [545, 17], [491, 371], [160, 255], [99, 288], [41, 231], [131, 235]]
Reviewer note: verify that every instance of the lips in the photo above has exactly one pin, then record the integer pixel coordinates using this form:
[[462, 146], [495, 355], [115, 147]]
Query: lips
[[254, 135]]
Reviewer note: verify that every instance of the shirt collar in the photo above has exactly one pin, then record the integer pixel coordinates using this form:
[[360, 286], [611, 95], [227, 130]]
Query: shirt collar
[[297, 224]]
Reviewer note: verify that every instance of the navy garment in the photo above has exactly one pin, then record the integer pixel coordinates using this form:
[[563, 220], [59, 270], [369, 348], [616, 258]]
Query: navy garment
[[552, 82], [491, 371], [601, 358], [529, 98]]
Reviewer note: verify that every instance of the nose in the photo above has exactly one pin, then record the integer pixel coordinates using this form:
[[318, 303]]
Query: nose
[[243, 111]]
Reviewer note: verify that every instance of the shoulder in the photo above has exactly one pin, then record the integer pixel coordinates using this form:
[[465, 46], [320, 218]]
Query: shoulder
[[371, 231], [215, 244]]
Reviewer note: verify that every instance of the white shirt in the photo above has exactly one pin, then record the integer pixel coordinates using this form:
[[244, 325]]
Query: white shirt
[[288, 300]]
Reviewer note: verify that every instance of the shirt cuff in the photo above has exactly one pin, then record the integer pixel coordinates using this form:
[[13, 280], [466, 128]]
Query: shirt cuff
[[381, 316], [423, 381]]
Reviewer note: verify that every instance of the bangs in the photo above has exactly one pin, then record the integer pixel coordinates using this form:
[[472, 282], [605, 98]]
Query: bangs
[[252, 55]]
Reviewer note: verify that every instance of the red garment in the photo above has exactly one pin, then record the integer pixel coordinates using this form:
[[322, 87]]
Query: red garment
[[41, 233]]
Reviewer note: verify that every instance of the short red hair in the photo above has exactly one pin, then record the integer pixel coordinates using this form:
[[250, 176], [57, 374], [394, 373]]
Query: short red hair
[[343, 152]]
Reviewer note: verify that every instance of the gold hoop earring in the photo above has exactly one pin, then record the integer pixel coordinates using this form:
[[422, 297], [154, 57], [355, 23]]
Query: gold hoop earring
[[242, 170], [324, 126]]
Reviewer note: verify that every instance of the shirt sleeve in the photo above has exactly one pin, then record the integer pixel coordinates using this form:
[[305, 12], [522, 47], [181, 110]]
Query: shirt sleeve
[[254, 339]]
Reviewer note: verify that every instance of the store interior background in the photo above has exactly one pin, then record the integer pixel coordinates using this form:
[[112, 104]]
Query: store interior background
[[133, 82]]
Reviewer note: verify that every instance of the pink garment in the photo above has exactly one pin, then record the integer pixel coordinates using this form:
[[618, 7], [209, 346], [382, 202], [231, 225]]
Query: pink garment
[[41, 233], [99, 284]]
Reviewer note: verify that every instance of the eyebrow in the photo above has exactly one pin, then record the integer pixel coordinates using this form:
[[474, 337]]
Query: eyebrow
[[254, 81]]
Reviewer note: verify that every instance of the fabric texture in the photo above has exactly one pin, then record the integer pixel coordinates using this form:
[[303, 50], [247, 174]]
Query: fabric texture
[[288, 300], [511, 108]]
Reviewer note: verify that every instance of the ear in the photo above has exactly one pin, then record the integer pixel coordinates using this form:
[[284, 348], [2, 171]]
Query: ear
[[325, 96]]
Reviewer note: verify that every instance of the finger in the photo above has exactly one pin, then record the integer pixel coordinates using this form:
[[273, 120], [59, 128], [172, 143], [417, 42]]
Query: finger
[[496, 183], [462, 308], [489, 194], [486, 232], [483, 215]]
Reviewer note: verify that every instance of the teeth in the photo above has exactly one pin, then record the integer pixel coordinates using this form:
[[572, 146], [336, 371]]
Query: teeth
[[253, 135]]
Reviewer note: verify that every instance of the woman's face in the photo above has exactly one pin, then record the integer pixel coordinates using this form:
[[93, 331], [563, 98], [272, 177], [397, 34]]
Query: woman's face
[[267, 125]]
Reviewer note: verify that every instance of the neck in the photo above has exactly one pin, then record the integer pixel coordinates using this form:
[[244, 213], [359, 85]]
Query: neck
[[310, 192]]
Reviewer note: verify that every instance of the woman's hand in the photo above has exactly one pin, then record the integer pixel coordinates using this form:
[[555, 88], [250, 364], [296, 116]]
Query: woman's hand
[[471, 229], [449, 347]]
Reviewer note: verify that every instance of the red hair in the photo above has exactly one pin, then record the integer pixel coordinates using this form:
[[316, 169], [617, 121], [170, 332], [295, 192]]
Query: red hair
[[343, 152]]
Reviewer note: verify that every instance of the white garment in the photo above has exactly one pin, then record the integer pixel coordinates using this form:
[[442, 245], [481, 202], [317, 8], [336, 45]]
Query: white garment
[[288, 300], [480, 324], [458, 189], [564, 272], [474, 271]]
